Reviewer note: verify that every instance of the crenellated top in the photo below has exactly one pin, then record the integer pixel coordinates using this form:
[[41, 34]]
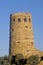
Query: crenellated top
[[18, 17], [21, 14]]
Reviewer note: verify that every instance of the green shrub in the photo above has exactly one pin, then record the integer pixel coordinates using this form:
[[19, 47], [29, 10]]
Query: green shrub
[[19, 60], [33, 60], [18, 57]]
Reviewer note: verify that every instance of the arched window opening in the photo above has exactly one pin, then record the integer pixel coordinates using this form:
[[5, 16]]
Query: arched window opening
[[25, 20], [19, 20], [14, 20]]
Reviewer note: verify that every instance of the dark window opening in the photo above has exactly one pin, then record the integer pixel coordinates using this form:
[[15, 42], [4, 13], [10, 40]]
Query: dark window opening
[[27, 50], [25, 20], [42, 58], [18, 41], [29, 20], [19, 20], [26, 26], [12, 30], [31, 42], [14, 20]]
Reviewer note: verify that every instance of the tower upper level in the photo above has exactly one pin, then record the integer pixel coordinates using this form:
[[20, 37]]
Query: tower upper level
[[18, 17]]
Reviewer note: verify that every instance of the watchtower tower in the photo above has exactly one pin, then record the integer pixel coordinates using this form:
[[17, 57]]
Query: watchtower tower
[[21, 35]]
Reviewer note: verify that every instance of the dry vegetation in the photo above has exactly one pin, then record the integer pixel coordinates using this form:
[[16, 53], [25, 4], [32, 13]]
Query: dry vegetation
[[20, 60]]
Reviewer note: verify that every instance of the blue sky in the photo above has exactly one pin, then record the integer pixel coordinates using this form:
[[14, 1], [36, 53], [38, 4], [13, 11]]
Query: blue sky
[[35, 7]]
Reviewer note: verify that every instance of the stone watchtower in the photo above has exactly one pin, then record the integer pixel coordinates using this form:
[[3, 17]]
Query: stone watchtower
[[21, 35]]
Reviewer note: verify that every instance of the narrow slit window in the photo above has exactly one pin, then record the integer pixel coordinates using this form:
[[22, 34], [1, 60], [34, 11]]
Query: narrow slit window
[[29, 20], [12, 30]]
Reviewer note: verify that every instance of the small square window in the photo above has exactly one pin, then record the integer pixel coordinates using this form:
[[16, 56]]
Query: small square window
[[31, 42], [18, 41], [14, 20], [27, 50], [26, 26]]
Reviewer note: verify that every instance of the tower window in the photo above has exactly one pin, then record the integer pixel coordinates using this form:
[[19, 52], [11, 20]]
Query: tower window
[[12, 30], [29, 20], [31, 42], [26, 26], [18, 41], [27, 50], [14, 20], [19, 20], [25, 20]]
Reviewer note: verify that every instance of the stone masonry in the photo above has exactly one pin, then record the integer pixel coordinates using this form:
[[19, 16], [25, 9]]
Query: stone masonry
[[21, 35]]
